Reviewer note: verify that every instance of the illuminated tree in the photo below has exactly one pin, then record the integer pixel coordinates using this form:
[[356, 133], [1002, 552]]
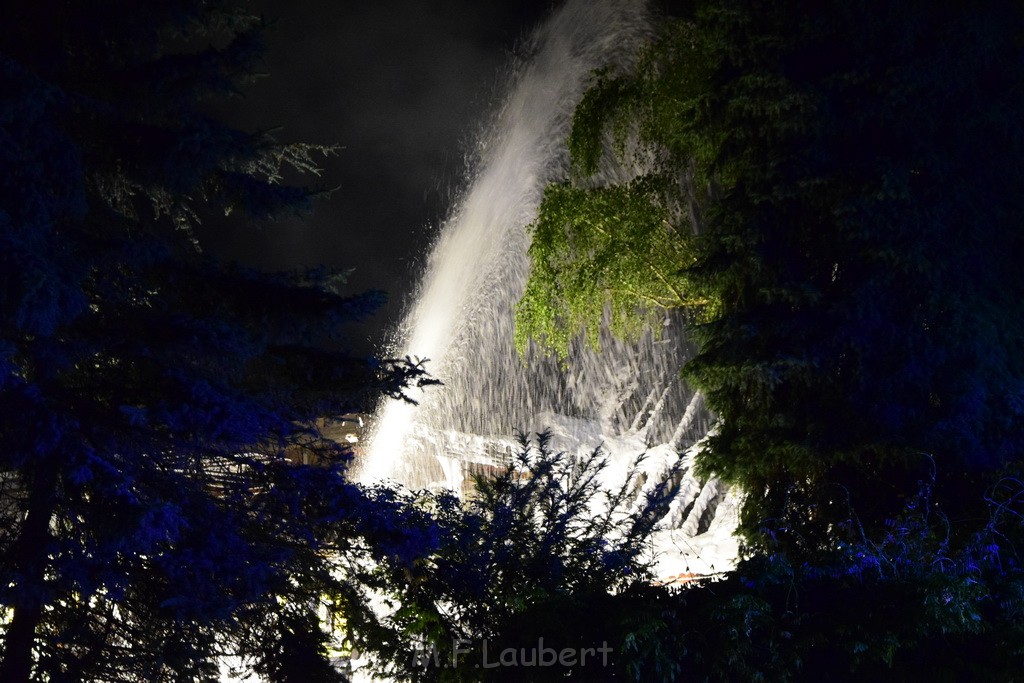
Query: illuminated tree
[[841, 183], [605, 253], [615, 243]]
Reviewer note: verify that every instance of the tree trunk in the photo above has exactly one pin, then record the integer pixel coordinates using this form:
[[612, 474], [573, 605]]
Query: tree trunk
[[30, 560]]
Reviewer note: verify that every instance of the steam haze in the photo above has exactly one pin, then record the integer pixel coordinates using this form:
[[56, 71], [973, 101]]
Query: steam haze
[[402, 86]]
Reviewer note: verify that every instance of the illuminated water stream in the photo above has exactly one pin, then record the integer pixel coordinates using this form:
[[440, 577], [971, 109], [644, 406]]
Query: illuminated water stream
[[627, 397]]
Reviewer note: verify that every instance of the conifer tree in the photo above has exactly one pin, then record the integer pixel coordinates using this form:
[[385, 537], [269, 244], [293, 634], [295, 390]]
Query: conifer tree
[[150, 521], [842, 178], [540, 555]]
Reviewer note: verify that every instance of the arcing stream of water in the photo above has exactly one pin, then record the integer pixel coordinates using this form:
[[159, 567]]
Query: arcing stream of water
[[627, 397]]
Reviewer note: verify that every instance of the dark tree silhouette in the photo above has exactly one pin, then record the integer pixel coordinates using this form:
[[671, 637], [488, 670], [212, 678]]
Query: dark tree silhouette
[[540, 555], [150, 520]]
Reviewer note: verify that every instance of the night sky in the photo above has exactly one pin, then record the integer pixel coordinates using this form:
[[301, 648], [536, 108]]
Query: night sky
[[403, 86]]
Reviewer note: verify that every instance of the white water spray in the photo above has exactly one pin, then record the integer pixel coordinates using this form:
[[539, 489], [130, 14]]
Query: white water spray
[[627, 397]]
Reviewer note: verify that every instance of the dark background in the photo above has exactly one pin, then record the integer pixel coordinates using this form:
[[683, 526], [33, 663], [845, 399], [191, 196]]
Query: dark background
[[403, 86]]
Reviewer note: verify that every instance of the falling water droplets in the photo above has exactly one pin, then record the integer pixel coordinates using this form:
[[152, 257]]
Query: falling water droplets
[[627, 396]]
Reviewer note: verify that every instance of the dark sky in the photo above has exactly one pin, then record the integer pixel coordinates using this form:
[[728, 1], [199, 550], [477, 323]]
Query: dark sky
[[402, 86]]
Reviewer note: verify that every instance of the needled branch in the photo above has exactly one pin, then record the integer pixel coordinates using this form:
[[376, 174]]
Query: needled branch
[[30, 557]]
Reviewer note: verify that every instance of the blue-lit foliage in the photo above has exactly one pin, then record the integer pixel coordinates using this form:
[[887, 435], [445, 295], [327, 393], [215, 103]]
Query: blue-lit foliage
[[155, 405], [905, 605]]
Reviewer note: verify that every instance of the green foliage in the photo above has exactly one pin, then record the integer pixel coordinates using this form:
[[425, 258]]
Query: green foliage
[[846, 244], [860, 253], [601, 252], [614, 252]]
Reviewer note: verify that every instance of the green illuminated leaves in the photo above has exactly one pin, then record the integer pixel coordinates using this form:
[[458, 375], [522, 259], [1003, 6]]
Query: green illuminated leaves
[[603, 251], [619, 254]]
